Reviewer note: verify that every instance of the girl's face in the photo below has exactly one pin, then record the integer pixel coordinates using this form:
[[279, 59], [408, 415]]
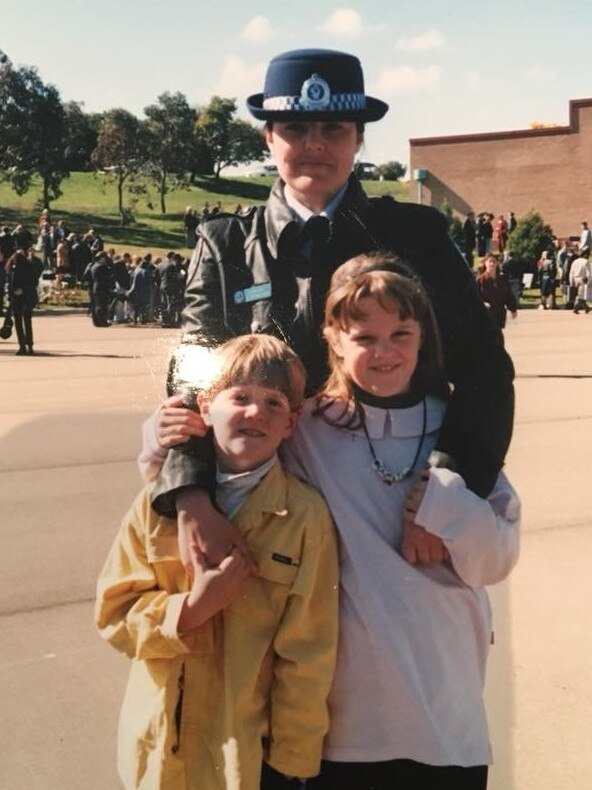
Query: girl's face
[[491, 266], [378, 351], [314, 158]]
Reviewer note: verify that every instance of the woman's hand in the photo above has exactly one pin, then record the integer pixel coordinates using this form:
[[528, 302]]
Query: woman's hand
[[175, 424]]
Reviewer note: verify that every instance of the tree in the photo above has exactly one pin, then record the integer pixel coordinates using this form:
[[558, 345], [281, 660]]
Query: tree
[[455, 228], [530, 238], [392, 171], [120, 150], [170, 139], [32, 129], [229, 141], [81, 135]]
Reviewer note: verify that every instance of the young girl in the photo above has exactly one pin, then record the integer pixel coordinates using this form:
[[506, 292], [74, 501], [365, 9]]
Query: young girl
[[406, 704]]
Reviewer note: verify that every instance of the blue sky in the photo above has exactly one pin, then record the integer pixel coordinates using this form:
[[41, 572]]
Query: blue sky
[[444, 67]]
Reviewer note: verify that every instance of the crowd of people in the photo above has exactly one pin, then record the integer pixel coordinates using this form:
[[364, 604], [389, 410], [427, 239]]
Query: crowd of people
[[122, 288], [501, 274], [137, 289]]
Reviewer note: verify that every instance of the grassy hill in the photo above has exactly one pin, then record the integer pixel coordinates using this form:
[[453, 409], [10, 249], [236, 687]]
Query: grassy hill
[[90, 201]]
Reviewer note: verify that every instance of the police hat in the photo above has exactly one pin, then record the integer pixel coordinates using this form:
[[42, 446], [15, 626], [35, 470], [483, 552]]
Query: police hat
[[315, 85]]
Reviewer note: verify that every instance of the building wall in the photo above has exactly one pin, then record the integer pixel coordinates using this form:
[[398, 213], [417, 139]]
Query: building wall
[[546, 170]]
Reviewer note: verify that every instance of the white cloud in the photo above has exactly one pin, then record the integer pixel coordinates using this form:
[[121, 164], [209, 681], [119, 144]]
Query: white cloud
[[431, 39], [405, 79], [539, 73], [344, 23], [238, 78], [257, 30]]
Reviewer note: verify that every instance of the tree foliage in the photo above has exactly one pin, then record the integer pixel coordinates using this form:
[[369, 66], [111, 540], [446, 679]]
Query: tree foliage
[[530, 238], [455, 228], [170, 139], [391, 171], [120, 150], [81, 135], [228, 140], [32, 129]]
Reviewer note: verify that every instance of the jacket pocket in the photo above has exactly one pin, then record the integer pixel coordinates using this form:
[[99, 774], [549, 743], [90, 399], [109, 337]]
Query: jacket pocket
[[278, 568]]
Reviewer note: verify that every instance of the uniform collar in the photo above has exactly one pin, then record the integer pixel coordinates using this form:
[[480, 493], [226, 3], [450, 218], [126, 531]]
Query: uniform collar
[[282, 223], [304, 214]]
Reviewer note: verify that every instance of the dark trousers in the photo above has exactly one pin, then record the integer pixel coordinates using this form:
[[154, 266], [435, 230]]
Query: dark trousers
[[168, 309], [272, 780], [22, 313], [397, 775]]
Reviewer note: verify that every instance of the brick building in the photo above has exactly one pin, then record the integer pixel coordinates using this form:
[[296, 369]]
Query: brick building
[[546, 170]]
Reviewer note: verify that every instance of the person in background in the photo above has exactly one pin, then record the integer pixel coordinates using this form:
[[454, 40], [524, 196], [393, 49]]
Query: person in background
[[469, 237], [6, 250], [190, 223], [98, 278], [547, 273], [23, 278], [585, 241], [496, 292], [564, 260], [580, 276], [513, 269], [501, 234], [22, 238]]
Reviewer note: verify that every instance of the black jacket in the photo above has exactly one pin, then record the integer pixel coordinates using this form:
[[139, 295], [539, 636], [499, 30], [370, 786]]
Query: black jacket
[[235, 254]]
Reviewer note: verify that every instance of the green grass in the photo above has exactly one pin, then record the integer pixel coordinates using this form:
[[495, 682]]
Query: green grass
[[90, 201]]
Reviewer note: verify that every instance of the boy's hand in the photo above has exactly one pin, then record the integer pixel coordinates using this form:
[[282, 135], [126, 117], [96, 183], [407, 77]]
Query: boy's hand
[[213, 589], [175, 424], [418, 546], [201, 524]]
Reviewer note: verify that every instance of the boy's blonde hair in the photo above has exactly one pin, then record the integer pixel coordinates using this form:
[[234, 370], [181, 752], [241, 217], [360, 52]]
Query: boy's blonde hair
[[389, 280], [258, 359]]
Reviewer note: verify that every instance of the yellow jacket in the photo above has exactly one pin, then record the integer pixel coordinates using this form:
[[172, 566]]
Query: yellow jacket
[[201, 711]]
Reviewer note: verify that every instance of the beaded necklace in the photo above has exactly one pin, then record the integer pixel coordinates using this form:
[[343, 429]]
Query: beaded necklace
[[390, 476]]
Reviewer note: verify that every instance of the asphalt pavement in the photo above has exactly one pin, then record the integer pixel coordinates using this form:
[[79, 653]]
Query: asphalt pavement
[[69, 433]]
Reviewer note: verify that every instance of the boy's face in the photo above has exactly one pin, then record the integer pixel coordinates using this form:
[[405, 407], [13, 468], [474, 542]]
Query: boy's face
[[249, 422]]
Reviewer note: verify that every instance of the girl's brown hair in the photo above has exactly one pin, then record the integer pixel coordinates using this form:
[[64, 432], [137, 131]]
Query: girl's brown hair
[[389, 280]]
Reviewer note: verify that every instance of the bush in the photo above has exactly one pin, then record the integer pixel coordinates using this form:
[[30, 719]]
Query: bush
[[392, 171], [530, 238], [455, 228]]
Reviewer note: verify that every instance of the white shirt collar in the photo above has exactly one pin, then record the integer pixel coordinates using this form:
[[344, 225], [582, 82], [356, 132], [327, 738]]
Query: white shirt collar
[[305, 213], [232, 488]]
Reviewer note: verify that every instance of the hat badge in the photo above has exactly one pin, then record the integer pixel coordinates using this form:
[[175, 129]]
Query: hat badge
[[315, 93]]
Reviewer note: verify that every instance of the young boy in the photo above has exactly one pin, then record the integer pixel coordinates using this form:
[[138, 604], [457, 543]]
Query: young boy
[[231, 669]]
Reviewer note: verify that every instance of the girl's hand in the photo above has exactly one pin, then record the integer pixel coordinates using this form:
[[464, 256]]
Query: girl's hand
[[175, 424], [201, 525], [418, 546], [212, 589]]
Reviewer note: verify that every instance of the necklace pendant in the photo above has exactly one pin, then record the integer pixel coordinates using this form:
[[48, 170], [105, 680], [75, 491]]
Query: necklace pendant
[[387, 476]]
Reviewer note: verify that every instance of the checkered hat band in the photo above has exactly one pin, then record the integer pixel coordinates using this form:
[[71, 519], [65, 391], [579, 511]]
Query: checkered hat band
[[337, 103]]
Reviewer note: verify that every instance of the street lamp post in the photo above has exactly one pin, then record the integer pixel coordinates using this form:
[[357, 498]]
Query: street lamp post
[[421, 176]]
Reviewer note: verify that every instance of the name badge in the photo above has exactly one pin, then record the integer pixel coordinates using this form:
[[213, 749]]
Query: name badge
[[253, 294]]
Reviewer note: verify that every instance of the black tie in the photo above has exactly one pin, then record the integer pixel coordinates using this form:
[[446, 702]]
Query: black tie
[[313, 241]]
